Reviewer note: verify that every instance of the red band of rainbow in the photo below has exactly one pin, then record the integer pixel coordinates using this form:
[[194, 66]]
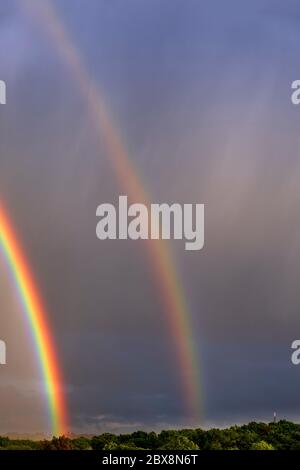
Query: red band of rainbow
[[37, 320]]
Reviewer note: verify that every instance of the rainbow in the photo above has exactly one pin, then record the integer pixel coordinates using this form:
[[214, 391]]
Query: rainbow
[[37, 320], [160, 258]]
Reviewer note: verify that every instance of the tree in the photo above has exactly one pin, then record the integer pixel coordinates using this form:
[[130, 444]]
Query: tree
[[179, 443], [58, 443], [4, 441], [99, 442], [261, 445], [144, 440], [116, 446], [82, 443]]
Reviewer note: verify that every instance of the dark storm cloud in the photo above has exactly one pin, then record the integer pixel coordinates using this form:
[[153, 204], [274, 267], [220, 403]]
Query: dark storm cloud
[[201, 93]]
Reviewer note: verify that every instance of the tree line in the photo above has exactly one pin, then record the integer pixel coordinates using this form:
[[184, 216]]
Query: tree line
[[283, 435]]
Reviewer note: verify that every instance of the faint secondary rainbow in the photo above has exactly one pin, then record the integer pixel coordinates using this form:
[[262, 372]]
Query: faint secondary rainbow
[[37, 320], [166, 277]]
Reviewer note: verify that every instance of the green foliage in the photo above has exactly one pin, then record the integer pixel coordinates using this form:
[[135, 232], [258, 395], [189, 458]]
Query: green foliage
[[82, 443], [19, 447], [179, 443], [58, 443], [18, 444], [4, 441], [144, 440], [99, 442], [262, 445], [117, 446]]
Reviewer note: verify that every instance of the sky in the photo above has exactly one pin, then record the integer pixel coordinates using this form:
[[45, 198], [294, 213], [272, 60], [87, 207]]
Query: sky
[[200, 93]]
